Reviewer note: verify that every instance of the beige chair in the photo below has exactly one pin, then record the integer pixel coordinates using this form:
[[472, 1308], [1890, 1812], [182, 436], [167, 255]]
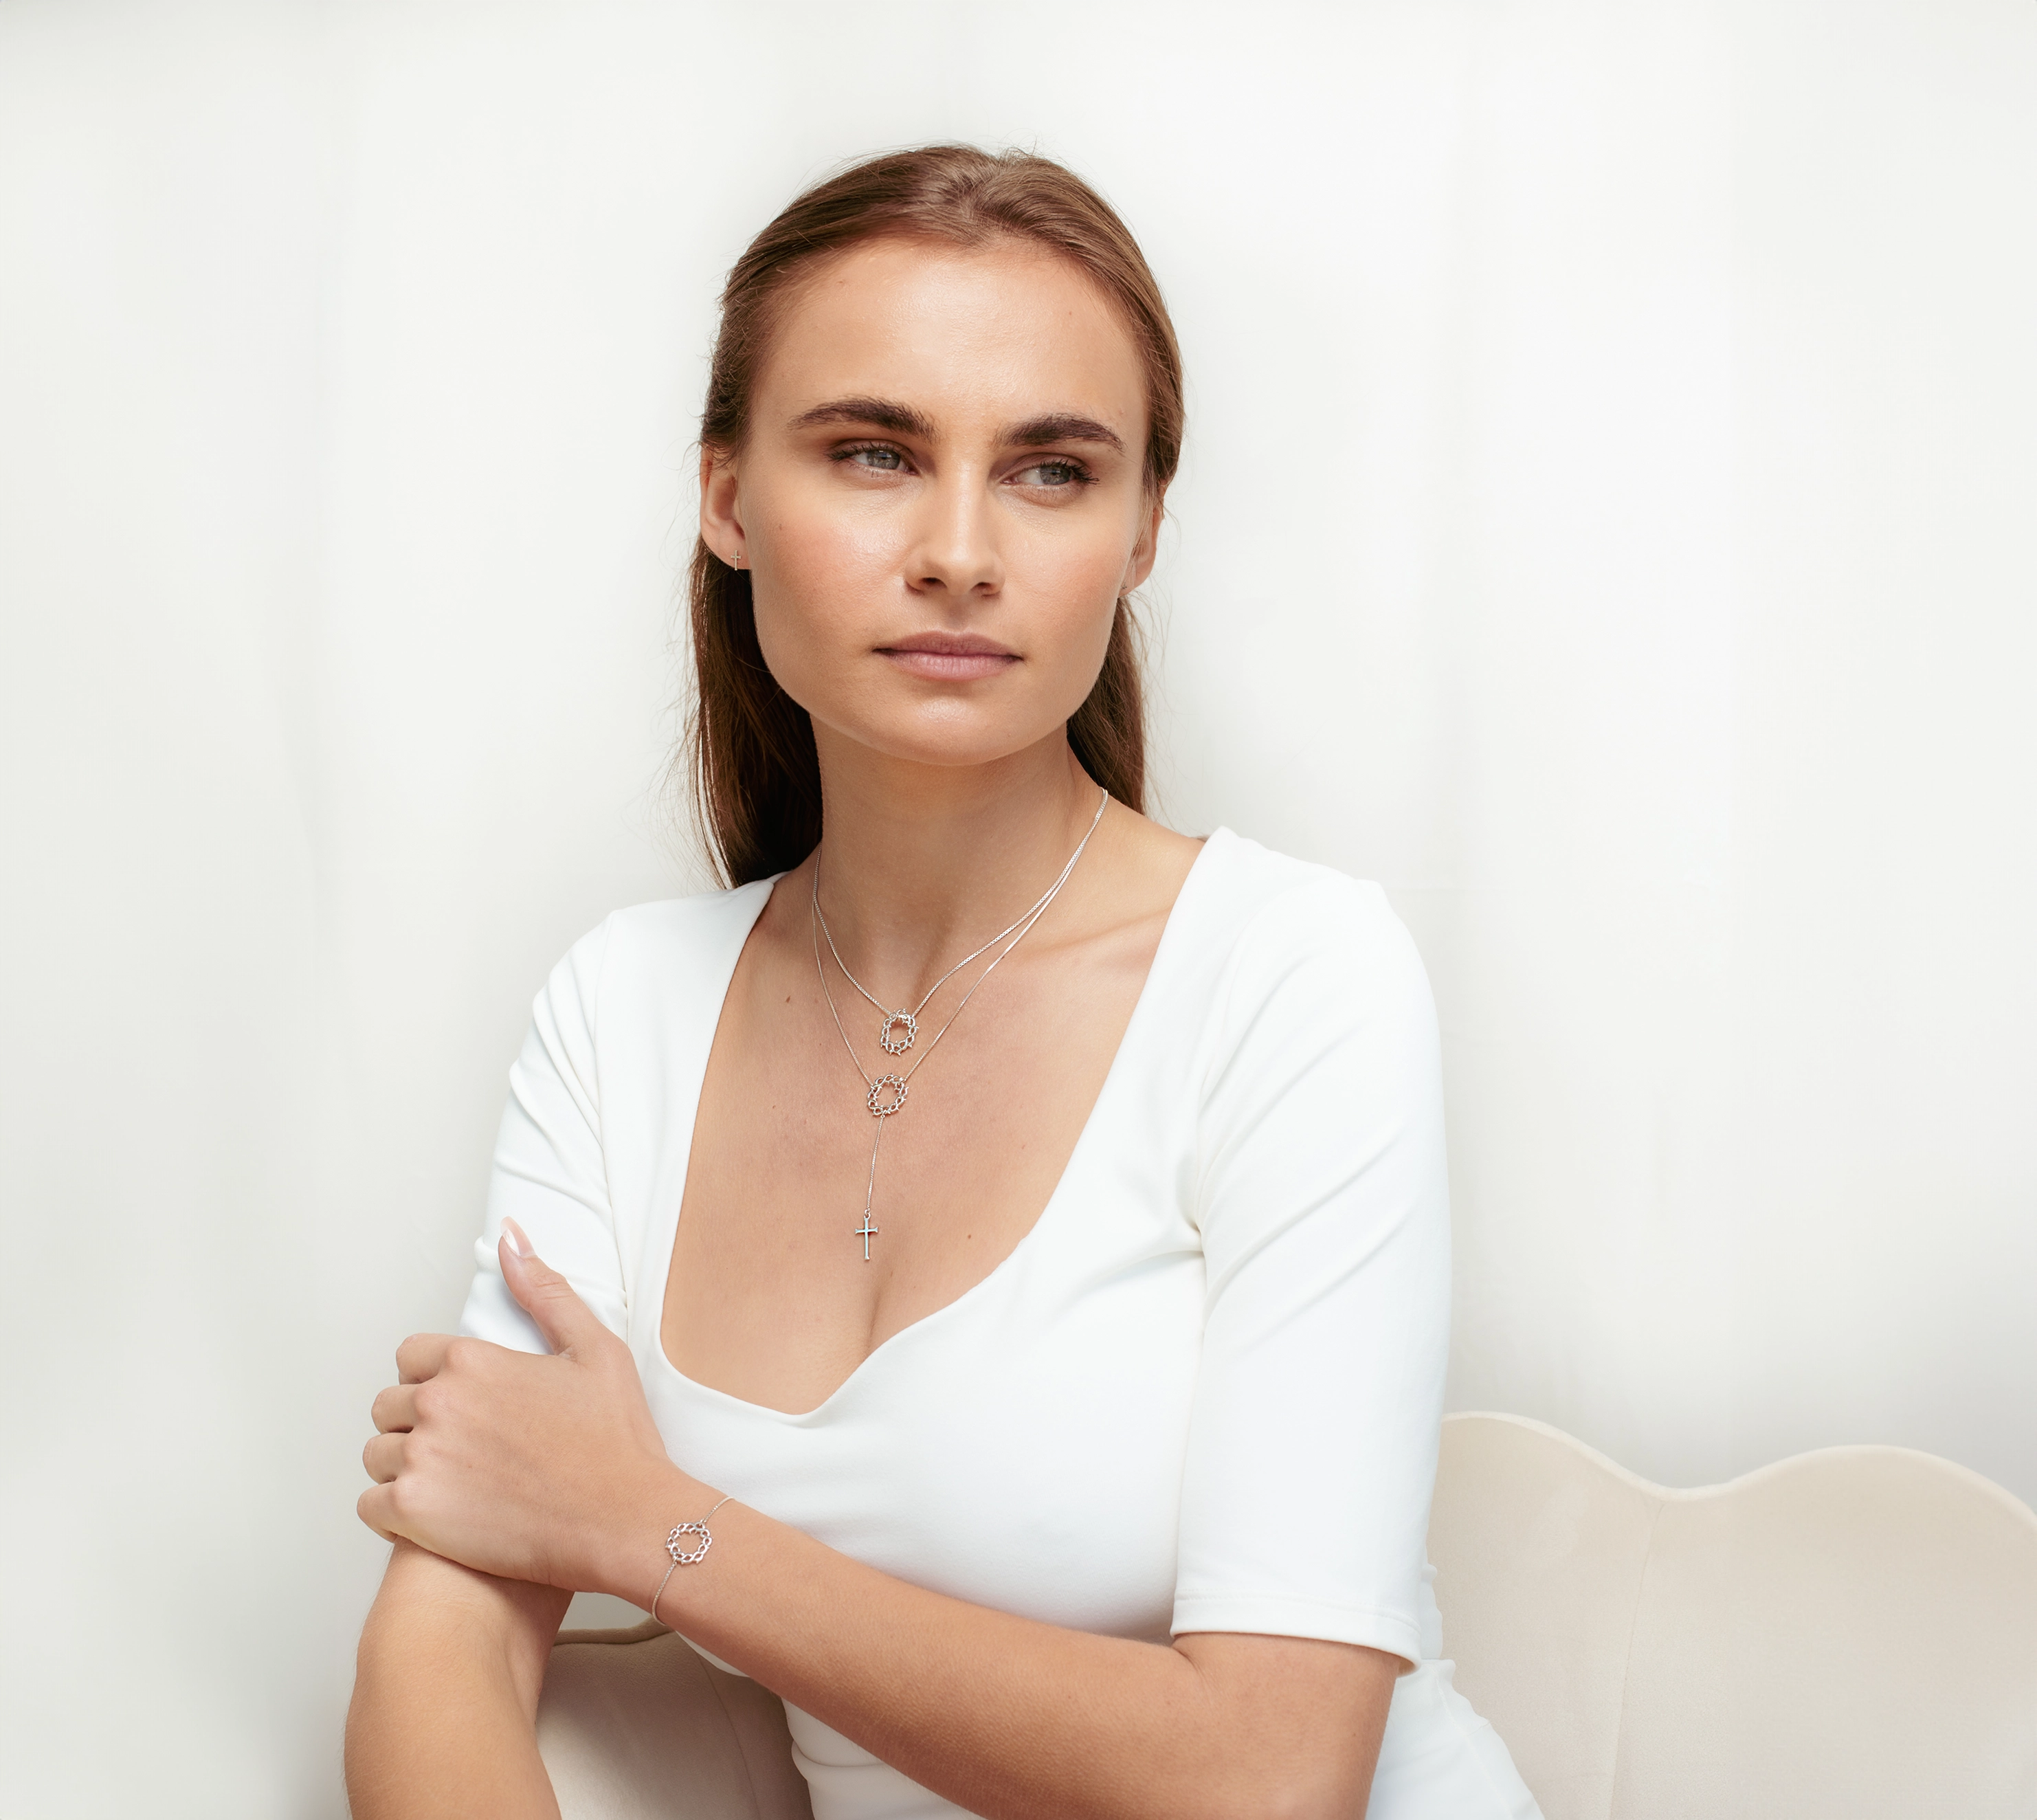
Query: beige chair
[[633, 1725], [1849, 1632]]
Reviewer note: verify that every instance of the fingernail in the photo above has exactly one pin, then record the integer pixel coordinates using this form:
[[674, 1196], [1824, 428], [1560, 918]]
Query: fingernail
[[518, 1241]]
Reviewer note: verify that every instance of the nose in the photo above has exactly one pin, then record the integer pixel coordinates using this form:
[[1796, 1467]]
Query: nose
[[955, 550]]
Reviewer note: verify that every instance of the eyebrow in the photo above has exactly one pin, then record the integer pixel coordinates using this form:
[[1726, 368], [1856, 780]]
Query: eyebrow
[[1063, 426], [882, 413], [903, 420]]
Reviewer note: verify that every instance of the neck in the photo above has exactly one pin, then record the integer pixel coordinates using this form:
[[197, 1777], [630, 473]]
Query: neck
[[920, 863]]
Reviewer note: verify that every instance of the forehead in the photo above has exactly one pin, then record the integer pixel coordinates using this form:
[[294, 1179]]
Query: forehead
[[1004, 331]]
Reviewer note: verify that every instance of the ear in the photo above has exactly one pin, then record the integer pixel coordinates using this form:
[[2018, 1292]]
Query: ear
[[1146, 549], [720, 521]]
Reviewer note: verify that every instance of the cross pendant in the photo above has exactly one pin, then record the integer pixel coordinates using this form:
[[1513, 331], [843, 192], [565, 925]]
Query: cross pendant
[[866, 1232]]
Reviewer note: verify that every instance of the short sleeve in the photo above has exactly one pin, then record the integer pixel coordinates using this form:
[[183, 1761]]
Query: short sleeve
[[1323, 1205], [550, 1174]]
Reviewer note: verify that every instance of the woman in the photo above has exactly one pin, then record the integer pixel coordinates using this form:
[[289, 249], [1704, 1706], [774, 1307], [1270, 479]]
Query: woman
[[1054, 1429]]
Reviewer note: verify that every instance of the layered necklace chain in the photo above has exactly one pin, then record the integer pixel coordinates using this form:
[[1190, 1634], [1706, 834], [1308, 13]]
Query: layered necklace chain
[[898, 1032]]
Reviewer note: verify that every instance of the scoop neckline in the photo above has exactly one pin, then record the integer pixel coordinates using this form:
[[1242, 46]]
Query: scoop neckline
[[1007, 1266]]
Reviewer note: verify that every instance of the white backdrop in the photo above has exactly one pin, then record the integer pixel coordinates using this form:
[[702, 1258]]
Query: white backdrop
[[1606, 521]]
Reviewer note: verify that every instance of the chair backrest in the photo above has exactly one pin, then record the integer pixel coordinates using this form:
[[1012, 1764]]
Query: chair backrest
[[1849, 1633], [633, 1725]]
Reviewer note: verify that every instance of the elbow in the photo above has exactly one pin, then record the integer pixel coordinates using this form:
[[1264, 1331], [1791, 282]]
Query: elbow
[[1285, 1792], [1311, 1799]]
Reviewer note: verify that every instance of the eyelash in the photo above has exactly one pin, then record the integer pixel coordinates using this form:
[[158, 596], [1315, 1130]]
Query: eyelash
[[1079, 472]]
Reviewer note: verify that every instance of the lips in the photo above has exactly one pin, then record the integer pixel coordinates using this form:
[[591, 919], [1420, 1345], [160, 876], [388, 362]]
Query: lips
[[949, 657], [951, 645]]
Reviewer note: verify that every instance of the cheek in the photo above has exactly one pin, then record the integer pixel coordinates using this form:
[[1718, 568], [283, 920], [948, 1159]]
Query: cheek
[[1070, 587], [824, 583]]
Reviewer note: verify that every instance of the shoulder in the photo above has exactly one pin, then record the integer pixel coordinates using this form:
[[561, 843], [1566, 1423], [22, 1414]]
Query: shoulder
[[656, 957], [1287, 921], [1320, 1067], [680, 929], [1310, 975]]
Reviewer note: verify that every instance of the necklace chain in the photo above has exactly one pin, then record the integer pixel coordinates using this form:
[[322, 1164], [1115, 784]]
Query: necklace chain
[[886, 1092], [1039, 904]]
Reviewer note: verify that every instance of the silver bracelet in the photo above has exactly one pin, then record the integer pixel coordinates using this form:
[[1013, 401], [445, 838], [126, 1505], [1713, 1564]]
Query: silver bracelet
[[681, 1555]]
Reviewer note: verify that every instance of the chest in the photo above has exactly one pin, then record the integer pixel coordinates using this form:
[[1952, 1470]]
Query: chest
[[812, 1232], [1022, 1448]]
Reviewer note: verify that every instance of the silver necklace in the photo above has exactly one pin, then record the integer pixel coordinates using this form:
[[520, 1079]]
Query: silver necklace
[[897, 1030], [886, 1092]]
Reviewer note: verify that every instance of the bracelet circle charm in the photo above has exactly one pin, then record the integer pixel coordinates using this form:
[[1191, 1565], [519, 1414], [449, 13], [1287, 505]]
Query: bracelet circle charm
[[675, 1546], [675, 1543]]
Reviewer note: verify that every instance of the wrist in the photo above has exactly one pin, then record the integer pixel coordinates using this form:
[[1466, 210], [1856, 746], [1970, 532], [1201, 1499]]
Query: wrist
[[633, 1552]]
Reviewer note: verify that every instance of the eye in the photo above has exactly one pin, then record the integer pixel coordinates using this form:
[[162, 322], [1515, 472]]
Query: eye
[[873, 457], [1058, 472]]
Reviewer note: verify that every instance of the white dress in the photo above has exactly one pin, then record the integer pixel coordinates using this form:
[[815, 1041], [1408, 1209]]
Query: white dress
[[1203, 1393]]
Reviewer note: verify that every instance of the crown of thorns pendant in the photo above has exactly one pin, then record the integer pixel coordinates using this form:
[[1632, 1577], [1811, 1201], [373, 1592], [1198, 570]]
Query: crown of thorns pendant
[[888, 1032], [890, 1085], [675, 1544]]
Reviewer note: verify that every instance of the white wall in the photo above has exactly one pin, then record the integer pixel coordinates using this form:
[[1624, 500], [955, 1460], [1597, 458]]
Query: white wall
[[1606, 521]]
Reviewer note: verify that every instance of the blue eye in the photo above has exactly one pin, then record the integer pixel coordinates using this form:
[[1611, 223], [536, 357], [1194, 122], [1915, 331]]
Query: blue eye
[[873, 457], [1056, 473]]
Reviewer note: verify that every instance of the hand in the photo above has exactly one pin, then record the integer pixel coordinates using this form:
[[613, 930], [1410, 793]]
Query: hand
[[515, 1464]]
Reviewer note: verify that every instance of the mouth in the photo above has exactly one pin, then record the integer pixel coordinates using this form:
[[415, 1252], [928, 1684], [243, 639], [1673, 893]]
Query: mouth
[[949, 657]]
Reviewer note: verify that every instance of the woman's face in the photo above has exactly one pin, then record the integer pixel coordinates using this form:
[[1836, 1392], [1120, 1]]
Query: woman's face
[[942, 498]]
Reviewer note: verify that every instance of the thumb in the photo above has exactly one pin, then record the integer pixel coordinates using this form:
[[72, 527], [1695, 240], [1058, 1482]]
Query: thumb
[[565, 1321]]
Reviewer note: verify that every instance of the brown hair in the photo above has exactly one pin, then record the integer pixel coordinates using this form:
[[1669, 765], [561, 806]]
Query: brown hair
[[756, 781]]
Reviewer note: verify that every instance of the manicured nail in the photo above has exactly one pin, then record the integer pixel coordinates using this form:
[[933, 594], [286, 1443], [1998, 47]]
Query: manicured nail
[[518, 1241]]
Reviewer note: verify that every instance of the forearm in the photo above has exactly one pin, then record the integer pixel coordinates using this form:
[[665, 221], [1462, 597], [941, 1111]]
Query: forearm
[[550, 1468], [445, 1698], [1011, 1718]]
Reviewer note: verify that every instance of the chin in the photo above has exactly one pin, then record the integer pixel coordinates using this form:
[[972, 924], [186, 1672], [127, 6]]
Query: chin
[[950, 740]]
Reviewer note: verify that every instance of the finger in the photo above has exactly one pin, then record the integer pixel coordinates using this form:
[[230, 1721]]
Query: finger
[[395, 1410], [384, 1457], [372, 1508], [565, 1320], [421, 1356]]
